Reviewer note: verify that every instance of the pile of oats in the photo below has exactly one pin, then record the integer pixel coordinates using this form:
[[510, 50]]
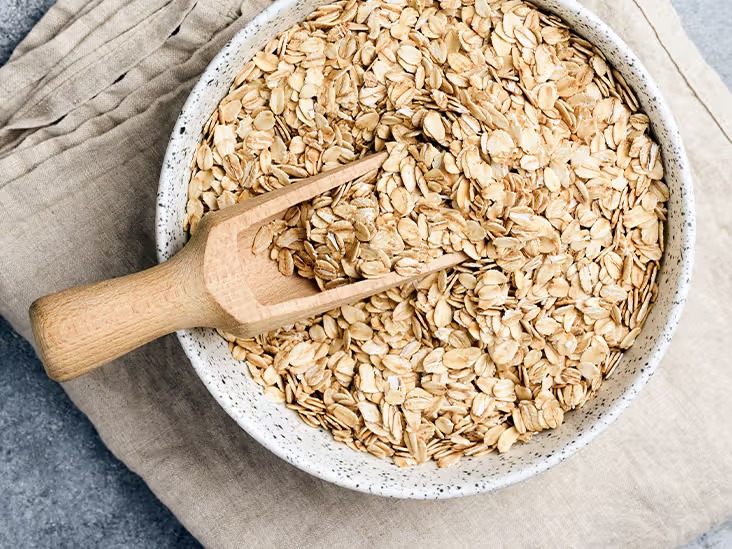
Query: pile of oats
[[510, 139]]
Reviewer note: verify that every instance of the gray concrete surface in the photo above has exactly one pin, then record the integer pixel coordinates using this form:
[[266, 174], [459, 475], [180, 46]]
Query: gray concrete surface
[[59, 485], [707, 23], [17, 17]]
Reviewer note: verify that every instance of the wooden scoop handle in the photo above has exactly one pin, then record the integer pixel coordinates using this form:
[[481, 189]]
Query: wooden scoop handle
[[80, 329]]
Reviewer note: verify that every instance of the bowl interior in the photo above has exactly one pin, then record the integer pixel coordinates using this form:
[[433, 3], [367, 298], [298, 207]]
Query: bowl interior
[[314, 451]]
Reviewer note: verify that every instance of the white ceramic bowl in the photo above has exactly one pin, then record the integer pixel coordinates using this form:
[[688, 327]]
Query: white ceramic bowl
[[314, 451]]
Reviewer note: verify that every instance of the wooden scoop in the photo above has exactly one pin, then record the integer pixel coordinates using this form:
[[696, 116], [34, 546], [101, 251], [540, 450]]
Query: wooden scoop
[[214, 281]]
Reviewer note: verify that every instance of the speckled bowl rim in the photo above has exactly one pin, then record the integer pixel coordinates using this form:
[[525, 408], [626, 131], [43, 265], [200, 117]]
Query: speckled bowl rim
[[680, 286]]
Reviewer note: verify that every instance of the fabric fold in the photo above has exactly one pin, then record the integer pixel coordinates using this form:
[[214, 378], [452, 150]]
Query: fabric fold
[[58, 16], [107, 53], [143, 85], [74, 21]]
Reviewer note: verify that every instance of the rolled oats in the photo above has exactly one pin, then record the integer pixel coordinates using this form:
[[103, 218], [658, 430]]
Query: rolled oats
[[510, 139]]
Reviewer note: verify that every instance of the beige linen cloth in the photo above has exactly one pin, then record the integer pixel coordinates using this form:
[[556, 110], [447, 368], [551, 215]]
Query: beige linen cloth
[[86, 106]]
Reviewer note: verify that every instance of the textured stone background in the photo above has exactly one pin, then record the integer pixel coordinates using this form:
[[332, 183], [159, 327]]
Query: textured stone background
[[59, 485]]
